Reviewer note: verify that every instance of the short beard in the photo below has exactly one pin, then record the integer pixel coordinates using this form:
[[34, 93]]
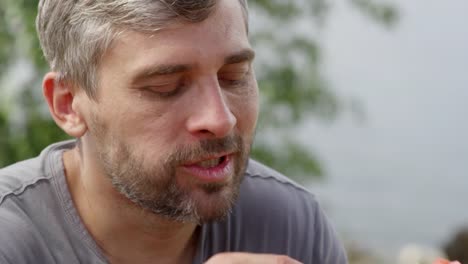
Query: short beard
[[155, 188]]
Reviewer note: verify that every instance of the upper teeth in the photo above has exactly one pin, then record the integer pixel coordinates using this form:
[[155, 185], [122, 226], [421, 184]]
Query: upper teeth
[[209, 163]]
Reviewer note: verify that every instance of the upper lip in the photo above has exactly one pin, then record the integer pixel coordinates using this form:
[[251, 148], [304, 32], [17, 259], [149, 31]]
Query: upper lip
[[213, 156]]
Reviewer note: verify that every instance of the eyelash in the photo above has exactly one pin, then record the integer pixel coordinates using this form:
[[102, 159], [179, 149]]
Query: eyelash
[[236, 82], [164, 95], [180, 85]]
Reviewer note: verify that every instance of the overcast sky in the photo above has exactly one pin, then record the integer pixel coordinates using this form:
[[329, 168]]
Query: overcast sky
[[407, 164]]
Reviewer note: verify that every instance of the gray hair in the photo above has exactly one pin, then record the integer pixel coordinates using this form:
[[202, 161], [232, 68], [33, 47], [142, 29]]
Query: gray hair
[[75, 34]]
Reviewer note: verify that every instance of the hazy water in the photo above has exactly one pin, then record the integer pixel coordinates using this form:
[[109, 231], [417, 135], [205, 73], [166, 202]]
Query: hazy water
[[402, 175]]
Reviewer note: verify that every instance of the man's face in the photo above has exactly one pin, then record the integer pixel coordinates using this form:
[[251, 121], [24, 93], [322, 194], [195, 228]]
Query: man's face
[[176, 114]]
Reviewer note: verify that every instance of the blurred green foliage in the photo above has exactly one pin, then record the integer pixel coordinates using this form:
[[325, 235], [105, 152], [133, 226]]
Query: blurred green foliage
[[20, 141], [292, 87]]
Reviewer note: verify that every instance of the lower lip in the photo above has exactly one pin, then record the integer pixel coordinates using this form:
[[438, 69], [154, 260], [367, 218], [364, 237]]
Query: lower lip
[[218, 173]]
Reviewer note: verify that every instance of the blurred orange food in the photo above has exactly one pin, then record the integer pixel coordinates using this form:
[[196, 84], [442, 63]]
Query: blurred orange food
[[444, 261]]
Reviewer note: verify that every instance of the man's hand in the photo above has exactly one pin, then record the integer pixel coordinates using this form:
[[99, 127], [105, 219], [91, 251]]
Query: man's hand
[[249, 258]]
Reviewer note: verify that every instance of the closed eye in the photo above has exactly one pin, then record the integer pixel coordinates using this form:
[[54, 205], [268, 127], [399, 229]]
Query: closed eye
[[165, 89], [234, 74], [232, 78]]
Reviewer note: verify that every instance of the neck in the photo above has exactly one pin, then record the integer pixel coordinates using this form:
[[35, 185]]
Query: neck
[[125, 232]]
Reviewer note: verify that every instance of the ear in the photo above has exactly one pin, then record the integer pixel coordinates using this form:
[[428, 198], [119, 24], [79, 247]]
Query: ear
[[62, 100]]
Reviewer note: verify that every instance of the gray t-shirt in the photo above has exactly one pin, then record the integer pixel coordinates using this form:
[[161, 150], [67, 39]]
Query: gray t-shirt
[[40, 224]]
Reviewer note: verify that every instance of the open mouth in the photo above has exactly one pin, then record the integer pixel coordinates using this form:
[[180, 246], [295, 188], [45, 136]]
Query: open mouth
[[216, 168], [211, 163]]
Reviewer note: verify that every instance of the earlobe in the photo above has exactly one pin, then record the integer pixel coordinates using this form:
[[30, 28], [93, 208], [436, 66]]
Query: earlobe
[[62, 101]]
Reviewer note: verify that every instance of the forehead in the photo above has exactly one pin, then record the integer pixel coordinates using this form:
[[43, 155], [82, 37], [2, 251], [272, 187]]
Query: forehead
[[208, 42]]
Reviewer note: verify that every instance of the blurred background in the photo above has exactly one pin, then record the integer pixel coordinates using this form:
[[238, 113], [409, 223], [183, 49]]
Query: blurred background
[[363, 101], [397, 176]]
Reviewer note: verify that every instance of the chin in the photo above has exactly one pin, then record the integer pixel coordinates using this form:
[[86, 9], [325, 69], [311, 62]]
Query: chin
[[214, 203]]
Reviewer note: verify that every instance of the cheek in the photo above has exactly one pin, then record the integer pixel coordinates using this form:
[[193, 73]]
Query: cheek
[[156, 132], [141, 127], [245, 108]]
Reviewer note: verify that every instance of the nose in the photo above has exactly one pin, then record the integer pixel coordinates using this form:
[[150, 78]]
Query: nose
[[210, 114]]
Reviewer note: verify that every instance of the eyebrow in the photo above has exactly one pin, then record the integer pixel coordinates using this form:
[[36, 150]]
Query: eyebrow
[[161, 70], [242, 56]]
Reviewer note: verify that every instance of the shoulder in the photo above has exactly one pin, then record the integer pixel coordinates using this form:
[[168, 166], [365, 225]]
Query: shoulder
[[272, 202], [258, 170], [20, 240], [16, 178], [273, 207], [19, 237], [33, 228], [269, 187]]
